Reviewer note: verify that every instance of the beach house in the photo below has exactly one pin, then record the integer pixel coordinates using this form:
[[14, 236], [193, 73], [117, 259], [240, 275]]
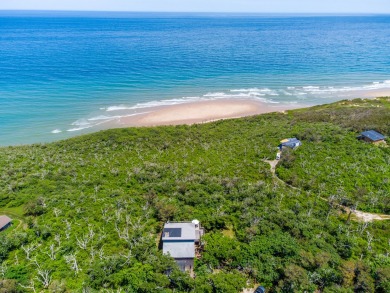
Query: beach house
[[181, 240], [372, 136], [5, 222], [289, 143]]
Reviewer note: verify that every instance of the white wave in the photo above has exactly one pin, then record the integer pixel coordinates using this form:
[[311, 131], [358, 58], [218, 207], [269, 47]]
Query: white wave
[[249, 90], [116, 108], [310, 87], [56, 131], [214, 94], [102, 117], [100, 120], [79, 128], [345, 90], [85, 126], [149, 104], [108, 118], [170, 102], [240, 90], [81, 122]]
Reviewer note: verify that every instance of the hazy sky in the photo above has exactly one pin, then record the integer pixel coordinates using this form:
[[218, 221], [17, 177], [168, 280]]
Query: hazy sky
[[317, 6]]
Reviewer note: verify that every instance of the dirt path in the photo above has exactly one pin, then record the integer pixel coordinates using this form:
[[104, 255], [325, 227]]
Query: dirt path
[[273, 165], [362, 216], [369, 217]]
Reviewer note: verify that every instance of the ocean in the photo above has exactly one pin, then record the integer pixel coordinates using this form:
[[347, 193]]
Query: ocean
[[65, 73]]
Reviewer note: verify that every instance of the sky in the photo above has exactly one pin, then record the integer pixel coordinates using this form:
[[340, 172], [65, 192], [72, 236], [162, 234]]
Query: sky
[[258, 6]]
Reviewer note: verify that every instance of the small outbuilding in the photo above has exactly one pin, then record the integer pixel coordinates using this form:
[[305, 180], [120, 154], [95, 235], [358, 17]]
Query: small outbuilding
[[181, 240], [5, 222], [260, 289], [291, 143], [372, 136]]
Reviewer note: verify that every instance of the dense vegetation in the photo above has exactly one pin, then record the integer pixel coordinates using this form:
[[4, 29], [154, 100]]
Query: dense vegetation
[[93, 206], [334, 163]]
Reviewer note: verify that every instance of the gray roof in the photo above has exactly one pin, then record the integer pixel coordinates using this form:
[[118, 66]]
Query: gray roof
[[292, 142], [179, 231], [373, 135], [4, 221], [179, 249]]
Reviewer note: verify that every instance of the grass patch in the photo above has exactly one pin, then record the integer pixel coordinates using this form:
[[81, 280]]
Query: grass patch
[[229, 232], [16, 212]]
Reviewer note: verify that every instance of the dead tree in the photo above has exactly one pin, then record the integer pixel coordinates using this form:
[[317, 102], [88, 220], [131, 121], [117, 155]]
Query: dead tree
[[102, 235], [28, 249], [71, 260], [52, 252], [91, 232], [370, 238], [362, 227], [83, 242], [331, 204], [92, 253], [57, 238], [44, 277], [124, 234], [101, 253], [127, 257]]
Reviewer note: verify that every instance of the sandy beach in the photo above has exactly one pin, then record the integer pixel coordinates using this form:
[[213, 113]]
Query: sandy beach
[[372, 93], [211, 110], [199, 112]]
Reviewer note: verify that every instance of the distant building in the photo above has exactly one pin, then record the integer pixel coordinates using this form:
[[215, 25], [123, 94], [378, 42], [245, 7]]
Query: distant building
[[372, 136], [181, 241], [291, 143], [5, 222], [260, 289]]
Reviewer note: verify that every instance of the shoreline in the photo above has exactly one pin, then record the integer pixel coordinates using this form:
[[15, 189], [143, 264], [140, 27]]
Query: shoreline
[[185, 113], [189, 113], [198, 112]]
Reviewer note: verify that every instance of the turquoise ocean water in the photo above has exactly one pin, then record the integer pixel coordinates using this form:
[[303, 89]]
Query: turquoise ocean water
[[64, 73]]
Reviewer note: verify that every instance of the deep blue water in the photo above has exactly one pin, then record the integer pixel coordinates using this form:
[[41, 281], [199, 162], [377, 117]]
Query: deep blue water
[[64, 72]]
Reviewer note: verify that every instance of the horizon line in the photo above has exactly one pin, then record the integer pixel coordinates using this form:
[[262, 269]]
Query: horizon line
[[200, 12]]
